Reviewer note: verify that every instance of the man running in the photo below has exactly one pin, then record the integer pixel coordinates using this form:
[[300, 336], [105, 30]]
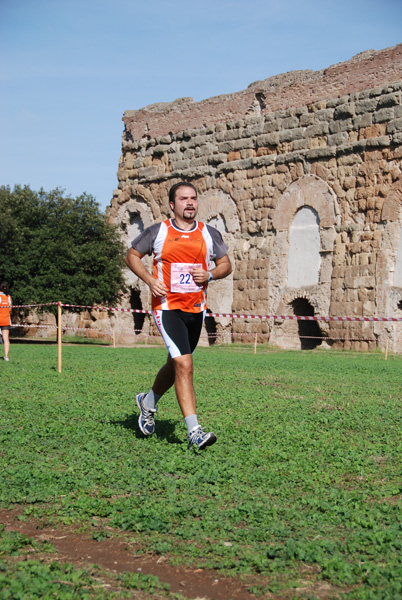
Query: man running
[[182, 249]]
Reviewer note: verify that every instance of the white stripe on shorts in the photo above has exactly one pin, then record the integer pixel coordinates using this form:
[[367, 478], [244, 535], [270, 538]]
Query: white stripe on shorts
[[170, 345]]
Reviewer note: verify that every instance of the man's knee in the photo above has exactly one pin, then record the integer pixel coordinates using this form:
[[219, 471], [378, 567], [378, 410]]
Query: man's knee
[[183, 365]]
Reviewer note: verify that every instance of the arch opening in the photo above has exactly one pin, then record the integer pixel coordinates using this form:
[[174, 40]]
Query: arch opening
[[210, 326], [136, 304], [310, 333]]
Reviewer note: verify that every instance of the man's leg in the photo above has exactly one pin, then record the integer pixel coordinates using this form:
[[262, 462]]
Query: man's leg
[[165, 378], [175, 335], [6, 341], [185, 393], [177, 371], [147, 402], [163, 382], [181, 332], [184, 384]]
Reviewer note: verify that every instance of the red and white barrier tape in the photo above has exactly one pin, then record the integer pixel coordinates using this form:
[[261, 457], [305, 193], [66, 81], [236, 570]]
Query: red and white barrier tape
[[245, 316], [228, 315], [222, 335], [301, 318], [129, 310], [31, 305], [34, 326]]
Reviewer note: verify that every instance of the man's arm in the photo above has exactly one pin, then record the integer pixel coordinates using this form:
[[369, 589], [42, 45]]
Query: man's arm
[[223, 268], [135, 264]]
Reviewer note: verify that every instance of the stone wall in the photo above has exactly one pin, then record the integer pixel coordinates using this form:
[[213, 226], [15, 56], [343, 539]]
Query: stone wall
[[302, 175]]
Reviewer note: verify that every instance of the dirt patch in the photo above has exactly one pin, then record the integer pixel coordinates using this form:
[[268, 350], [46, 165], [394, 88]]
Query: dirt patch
[[121, 554], [118, 555]]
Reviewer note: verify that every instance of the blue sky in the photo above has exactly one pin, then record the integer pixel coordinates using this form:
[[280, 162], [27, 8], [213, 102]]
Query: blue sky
[[70, 68]]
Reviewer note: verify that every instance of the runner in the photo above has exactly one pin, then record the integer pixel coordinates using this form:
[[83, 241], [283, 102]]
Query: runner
[[182, 249], [5, 310]]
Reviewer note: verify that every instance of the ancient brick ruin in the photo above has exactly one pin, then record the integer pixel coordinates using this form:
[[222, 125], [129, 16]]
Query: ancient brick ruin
[[302, 174]]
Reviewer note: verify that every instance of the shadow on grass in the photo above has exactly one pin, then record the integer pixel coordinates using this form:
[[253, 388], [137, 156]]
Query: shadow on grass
[[164, 429], [41, 341]]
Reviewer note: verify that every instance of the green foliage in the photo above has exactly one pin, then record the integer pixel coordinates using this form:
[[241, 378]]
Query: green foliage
[[34, 580], [305, 474], [57, 248], [11, 543], [37, 580], [139, 581]]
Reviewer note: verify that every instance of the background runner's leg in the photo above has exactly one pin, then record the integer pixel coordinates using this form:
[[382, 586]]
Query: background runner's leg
[[6, 342]]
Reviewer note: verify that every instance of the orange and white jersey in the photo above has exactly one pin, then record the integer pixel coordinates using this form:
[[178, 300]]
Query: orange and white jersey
[[5, 303], [175, 253]]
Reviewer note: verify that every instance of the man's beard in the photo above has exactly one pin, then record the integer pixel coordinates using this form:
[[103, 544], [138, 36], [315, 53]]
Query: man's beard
[[186, 215]]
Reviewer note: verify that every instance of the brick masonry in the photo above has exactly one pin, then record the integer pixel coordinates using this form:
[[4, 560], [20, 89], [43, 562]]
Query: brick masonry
[[326, 145]]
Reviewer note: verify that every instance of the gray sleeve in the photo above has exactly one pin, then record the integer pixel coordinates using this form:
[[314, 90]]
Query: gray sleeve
[[144, 243], [220, 248]]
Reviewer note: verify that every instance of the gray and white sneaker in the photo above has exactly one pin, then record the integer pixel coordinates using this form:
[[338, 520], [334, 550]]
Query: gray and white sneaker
[[146, 420], [198, 438]]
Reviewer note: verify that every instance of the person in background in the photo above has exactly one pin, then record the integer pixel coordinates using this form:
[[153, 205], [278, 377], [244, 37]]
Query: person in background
[[5, 310], [182, 249]]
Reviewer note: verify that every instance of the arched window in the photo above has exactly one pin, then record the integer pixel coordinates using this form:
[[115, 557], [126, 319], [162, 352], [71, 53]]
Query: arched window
[[135, 225], [398, 263], [304, 249], [219, 223]]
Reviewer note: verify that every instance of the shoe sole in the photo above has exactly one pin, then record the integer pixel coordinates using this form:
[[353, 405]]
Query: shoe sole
[[139, 418]]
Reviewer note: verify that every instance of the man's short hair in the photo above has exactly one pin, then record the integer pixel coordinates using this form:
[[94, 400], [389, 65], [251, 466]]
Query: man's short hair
[[176, 186]]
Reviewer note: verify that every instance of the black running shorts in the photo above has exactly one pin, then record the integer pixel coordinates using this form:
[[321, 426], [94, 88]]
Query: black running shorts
[[180, 330]]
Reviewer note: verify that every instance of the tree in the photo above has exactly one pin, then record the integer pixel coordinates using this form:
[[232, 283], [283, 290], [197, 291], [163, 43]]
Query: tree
[[55, 248]]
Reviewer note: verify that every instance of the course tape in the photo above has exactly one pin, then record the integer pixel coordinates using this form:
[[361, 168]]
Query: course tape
[[228, 315], [245, 316], [106, 332], [32, 305]]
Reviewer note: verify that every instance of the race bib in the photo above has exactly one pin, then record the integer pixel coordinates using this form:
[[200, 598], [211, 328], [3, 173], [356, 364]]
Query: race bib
[[181, 280]]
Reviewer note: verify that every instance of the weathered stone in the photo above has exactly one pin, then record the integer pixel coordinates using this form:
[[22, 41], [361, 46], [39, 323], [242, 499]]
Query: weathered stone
[[316, 129], [320, 153], [345, 111], [364, 120], [338, 139], [365, 106], [394, 125], [269, 139], [383, 115], [389, 100], [341, 125]]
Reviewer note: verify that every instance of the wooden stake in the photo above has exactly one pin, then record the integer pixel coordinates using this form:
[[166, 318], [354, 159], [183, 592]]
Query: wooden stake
[[386, 349], [114, 339], [59, 335], [255, 344]]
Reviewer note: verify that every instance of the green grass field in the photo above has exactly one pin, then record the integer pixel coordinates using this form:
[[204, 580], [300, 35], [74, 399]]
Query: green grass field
[[304, 482]]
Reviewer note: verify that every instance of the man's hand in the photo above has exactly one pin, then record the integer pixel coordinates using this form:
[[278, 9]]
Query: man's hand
[[133, 261], [199, 275], [158, 288], [222, 268]]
